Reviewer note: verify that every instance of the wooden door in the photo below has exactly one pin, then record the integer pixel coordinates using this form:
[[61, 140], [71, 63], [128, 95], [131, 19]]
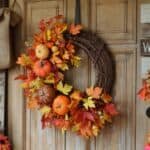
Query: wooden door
[[116, 22]]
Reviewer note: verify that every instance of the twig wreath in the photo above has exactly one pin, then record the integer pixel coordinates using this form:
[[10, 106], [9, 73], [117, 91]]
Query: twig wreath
[[50, 54]]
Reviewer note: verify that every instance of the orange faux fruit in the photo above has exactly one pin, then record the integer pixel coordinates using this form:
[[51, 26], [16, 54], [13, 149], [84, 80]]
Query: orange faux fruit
[[42, 68], [41, 51], [61, 105]]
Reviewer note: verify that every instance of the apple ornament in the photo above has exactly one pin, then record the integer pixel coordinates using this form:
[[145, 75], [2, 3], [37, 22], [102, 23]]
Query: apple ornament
[[42, 52], [42, 68]]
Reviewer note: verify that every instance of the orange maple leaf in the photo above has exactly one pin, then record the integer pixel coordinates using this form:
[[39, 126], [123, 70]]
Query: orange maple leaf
[[106, 97], [75, 29], [94, 92], [32, 104]]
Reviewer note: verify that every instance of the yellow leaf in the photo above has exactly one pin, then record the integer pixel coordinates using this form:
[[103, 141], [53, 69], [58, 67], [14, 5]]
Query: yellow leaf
[[88, 103], [24, 60], [48, 34], [45, 110], [75, 61], [36, 84], [50, 79], [63, 66], [95, 130], [65, 89], [76, 127]]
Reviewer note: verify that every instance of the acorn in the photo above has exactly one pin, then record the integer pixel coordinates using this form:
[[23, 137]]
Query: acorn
[[46, 94]]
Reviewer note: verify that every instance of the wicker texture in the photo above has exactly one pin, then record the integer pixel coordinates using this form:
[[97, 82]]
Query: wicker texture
[[99, 54]]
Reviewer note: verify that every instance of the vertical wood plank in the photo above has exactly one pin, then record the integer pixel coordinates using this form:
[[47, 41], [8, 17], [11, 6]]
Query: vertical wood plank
[[38, 138]]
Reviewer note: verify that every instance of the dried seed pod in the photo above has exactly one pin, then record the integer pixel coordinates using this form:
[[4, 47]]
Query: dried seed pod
[[46, 94]]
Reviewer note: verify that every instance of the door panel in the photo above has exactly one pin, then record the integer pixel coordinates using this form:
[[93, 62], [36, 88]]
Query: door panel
[[114, 20], [121, 134]]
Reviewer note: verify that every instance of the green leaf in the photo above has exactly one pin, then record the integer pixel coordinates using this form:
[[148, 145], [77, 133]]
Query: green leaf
[[75, 61], [50, 79], [65, 89], [88, 103]]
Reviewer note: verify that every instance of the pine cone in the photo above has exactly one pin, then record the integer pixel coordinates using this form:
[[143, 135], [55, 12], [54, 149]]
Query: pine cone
[[46, 94]]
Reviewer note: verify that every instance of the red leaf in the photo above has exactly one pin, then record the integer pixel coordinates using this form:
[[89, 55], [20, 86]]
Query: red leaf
[[88, 116], [31, 54], [111, 110], [142, 94], [21, 77], [42, 25]]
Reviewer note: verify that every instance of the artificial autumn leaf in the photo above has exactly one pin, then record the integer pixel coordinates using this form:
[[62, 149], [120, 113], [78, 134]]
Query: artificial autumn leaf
[[4, 143], [70, 47], [21, 77], [45, 110], [76, 127], [88, 103], [42, 25], [50, 79], [62, 66], [75, 29], [61, 123], [65, 89], [76, 95], [66, 55], [60, 28], [56, 60], [95, 130], [86, 131], [36, 84], [75, 61], [24, 60], [59, 76], [94, 92], [111, 110], [31, 54], [106, 98], [105, 117], [142, 94], [48, 34], [32, 104]]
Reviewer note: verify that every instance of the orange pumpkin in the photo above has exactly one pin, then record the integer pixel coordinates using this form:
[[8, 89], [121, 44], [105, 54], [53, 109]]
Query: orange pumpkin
[[61, 105], [42, 68]]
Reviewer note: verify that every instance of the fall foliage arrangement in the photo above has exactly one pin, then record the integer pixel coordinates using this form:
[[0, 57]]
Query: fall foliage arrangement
[[144, 92], [52, 52], [4, 143], [147, 145]]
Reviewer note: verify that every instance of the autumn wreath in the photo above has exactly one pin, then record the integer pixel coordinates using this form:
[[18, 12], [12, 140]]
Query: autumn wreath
[[4, 143], [48, 56]]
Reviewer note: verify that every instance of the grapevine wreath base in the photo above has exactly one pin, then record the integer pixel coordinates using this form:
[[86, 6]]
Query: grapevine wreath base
[[52, 52]]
